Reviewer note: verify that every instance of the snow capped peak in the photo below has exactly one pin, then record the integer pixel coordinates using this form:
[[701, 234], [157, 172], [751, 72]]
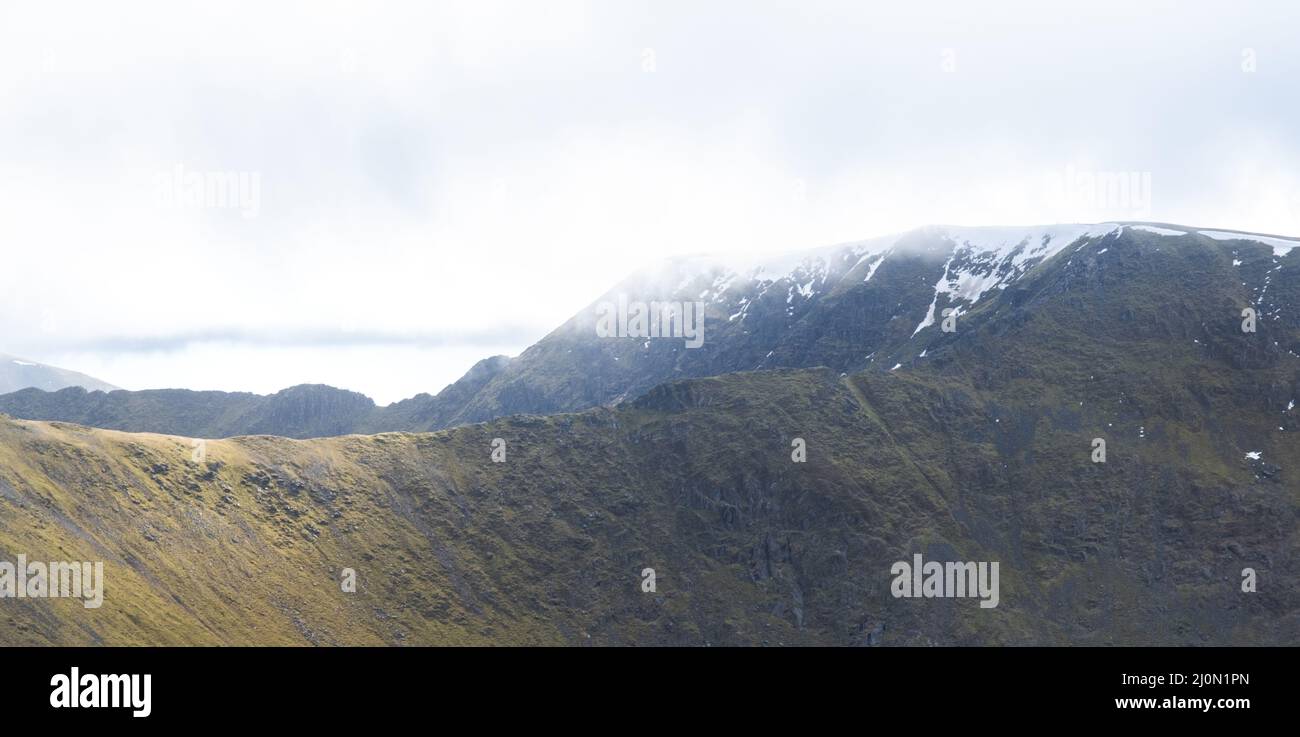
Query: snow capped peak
[[1281, 246], [1019, 247], [976, 261], [730, 274], [1039, 242], [19, 373]]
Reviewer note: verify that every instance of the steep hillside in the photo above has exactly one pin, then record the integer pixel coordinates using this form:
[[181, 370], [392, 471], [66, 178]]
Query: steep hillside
[[695, 480]]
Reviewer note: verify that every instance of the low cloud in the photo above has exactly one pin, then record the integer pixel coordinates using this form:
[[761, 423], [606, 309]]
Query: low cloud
[[342, 338]]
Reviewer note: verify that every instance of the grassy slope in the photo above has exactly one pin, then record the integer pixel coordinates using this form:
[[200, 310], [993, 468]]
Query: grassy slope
[[695, 481]]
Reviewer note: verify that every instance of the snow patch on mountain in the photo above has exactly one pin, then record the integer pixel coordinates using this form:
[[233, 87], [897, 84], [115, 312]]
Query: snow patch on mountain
[[984, 259], [1281, 246], [1158, 231], [1024, 244], [871, 270], [808, 270], [812, 262]]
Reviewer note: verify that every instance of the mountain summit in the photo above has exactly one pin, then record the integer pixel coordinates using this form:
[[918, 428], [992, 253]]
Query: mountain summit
[[870, 305], [17, 373]]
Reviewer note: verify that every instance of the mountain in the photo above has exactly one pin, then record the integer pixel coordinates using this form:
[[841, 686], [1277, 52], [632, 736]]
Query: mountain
[[425, 412], [978, 444], [872, 304], [300, 411], [17, 373], [305, 411]]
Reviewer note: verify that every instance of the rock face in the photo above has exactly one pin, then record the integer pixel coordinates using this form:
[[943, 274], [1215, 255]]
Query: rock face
[[980, 444], [312, 411]]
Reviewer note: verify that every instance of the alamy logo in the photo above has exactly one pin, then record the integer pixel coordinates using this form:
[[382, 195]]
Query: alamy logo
[[92, 691], [210, 190], [60, 579], [1120, 192], [951, 580], [626, 319]]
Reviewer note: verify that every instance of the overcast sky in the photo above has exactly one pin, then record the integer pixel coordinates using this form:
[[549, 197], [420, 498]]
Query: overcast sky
[[439, 182]]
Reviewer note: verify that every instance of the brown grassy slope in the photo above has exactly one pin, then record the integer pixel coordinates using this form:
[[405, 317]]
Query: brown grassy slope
[[694, 480]]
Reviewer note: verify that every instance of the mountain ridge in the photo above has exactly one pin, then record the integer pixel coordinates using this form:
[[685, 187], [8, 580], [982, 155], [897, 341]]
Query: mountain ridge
[[848, 306]]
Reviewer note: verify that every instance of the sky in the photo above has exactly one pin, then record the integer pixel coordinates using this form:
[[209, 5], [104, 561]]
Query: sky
[[249, 196]]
